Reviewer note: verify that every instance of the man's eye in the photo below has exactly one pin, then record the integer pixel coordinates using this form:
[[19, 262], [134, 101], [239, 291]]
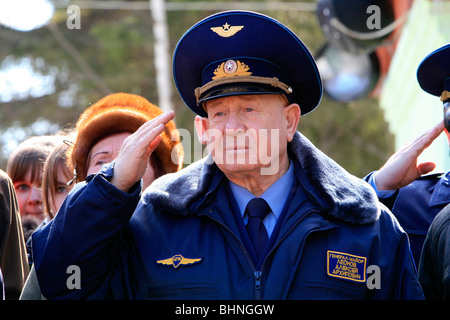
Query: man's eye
[[249, 109]]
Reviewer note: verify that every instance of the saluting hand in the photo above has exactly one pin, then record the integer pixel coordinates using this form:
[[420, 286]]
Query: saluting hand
[[401, 169], [136, 150]]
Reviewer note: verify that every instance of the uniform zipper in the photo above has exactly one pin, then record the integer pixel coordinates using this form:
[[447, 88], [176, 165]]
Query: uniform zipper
[[286, 234], [256, 273]]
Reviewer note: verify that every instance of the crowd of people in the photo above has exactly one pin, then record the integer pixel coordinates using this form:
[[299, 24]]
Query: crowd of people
[[111, 195]]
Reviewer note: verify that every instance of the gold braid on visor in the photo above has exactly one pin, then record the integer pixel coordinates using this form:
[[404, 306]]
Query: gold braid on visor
[[274, 82]]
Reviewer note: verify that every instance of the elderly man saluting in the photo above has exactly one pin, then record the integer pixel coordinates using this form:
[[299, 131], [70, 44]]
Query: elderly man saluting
[[264, 216]]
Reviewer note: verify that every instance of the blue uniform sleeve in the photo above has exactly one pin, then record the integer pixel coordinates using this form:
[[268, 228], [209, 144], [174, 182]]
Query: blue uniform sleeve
[[398, 275], [381, 194], [387, 197], [82, 238]]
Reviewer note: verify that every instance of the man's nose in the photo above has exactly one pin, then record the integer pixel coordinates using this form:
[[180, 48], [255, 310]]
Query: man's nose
[[234, 124]]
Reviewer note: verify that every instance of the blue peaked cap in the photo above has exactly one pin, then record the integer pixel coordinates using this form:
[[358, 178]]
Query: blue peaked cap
[[433, 73], [244, 52]]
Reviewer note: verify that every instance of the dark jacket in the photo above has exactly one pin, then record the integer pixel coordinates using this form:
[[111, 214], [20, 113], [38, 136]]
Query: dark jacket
[[13, 256], [434, 267], [184, 242]]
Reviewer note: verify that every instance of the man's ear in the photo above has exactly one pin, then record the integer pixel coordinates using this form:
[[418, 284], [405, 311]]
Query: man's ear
[[292, 114], [201, 127]]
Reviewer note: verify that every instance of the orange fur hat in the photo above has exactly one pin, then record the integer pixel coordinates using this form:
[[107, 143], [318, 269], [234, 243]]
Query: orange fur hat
[[116, 113]]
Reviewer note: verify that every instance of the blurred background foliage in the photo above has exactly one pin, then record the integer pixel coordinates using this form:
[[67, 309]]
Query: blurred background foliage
[[113, 52]]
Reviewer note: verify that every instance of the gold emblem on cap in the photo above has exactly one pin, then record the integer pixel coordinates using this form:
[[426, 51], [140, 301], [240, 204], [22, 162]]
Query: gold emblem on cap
[[231, 68], [226, 30]]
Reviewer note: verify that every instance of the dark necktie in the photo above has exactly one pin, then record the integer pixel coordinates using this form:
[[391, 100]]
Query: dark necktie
[[257, 209]]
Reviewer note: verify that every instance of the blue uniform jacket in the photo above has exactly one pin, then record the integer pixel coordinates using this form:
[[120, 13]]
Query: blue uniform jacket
[[417, 204], [335, 240]]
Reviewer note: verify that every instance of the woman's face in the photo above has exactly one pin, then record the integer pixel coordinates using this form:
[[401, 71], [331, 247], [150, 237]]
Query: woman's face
[[61, 189], [29, 197], [106, 150]]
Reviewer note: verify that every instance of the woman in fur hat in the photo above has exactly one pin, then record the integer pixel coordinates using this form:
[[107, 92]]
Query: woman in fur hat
[[100, 133]]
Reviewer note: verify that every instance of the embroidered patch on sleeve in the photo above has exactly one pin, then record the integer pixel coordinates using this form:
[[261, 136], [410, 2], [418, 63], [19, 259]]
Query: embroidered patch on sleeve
[[346, 266]]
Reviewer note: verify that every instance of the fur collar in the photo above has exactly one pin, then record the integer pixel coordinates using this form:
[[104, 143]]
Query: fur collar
[[347, 197]]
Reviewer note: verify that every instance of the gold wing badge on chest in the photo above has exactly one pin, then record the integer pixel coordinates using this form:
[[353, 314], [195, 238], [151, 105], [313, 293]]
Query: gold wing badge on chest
[[226, 30], [178, 260]]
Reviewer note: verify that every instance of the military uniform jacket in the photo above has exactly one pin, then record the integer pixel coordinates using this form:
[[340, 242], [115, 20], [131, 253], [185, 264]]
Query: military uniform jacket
[[181, 241], [416, 205]]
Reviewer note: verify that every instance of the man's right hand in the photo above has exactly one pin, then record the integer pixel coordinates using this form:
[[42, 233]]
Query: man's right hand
[[401, 168]]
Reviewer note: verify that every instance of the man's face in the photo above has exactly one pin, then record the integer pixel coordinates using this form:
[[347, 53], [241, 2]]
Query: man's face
[[248, 132]]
